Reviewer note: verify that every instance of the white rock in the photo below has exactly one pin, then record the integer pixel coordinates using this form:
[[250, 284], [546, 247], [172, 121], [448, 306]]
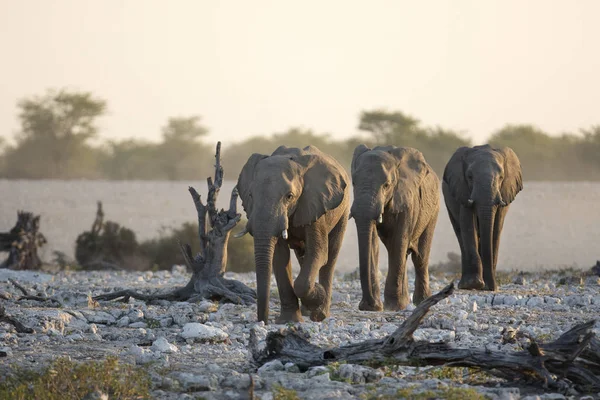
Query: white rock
[[123, 322], [474, 306], [271, 366], [510, 300], [357, 374], [535, 301], [99, 317], [314, 371], [291, 367], [198, 331], [161, 344], [139, 324], [93, 328], [462, 314], [136, 315], [206, 306], [388, 328]]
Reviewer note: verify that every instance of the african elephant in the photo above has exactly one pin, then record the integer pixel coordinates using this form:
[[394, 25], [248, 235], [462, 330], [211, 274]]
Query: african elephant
[[298, 199], [396, 197], [479, 184]]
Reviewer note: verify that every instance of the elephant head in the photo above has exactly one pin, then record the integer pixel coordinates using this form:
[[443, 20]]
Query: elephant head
[[483, 178], [386, 178], [292, 188]]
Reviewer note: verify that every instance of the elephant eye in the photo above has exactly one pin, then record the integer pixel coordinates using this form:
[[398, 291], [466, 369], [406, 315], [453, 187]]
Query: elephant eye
[[289, 196], [386, 185]]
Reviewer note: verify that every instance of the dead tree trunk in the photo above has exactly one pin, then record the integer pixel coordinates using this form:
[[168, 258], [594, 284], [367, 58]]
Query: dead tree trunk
[[572, 358], [22, 243], [209, 265]]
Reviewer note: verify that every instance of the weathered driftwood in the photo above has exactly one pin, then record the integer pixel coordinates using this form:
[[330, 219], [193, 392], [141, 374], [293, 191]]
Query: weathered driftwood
[[19, 327], [572, 358], [208, 267], [22, 243]]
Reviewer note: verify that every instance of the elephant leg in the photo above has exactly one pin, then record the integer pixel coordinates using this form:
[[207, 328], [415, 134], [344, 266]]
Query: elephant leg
[[312, 294], [471, 262], [300, 257], [282, 267], [395, 294], [498, 224], [336, 237], [420, 260]]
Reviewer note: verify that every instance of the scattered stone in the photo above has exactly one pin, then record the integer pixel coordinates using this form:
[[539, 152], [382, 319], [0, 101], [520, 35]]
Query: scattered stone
[[357, 374], [162, 345], [201, 332], [271, 366]]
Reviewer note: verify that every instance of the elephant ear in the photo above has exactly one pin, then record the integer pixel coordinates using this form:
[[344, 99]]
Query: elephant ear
[[360, 149], [454, 176], [325, 182], [513, 180], [412, 169], [245, 180]]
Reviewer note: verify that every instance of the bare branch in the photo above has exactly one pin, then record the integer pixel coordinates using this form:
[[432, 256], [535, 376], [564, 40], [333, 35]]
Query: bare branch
[[18, 286], [201, 211]]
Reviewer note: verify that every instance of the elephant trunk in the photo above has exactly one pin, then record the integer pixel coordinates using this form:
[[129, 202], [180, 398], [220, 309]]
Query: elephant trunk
[[368, 252], [264, 246], [486, 215], [367, 207]]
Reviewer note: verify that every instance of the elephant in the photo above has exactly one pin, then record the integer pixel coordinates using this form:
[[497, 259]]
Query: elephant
[[295, 199], [479, 184], [396, 197]]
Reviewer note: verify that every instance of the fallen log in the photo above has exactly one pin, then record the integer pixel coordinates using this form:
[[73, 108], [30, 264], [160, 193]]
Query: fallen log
[[22, 243], [572, 359], [208, 266]]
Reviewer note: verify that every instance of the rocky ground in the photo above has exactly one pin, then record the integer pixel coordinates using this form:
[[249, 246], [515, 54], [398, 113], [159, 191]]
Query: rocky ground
[[200, 350]]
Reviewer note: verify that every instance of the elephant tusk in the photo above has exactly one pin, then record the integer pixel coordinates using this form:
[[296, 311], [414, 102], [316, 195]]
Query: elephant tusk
[[502, 203], [470, 202], [380, 219], [284, 234], [241, 233]]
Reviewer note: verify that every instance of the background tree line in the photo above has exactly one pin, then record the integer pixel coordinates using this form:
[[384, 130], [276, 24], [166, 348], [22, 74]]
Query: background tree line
[[58, 139]]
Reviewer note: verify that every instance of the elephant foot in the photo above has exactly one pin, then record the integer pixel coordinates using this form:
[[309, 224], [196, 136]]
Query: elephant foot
[[491, 287], [471, 283], [419, 296], [370, 306], [395, 304], [319, 315], [289, 316], [304, 310]]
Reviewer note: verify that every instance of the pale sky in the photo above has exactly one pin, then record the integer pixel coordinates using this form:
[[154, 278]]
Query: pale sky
[[256, 67]]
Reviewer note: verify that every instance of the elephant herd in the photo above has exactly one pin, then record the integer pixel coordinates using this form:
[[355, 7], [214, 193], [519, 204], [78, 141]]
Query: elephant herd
[[299, 199]]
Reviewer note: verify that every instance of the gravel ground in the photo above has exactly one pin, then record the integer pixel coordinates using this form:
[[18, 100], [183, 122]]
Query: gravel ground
[[200, 350]]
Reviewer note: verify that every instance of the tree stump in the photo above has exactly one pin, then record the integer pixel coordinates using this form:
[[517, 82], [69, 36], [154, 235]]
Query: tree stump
[[208, 266], [22, 243], [107, 245], [572, 359]]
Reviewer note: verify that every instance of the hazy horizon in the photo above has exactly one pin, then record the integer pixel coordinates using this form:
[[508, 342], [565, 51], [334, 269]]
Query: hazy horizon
[[262, 67]]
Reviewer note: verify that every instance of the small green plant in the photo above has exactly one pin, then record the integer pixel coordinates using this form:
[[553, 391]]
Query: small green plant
[[281, 393], [66, 379], [450, 393], [152, 323]]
